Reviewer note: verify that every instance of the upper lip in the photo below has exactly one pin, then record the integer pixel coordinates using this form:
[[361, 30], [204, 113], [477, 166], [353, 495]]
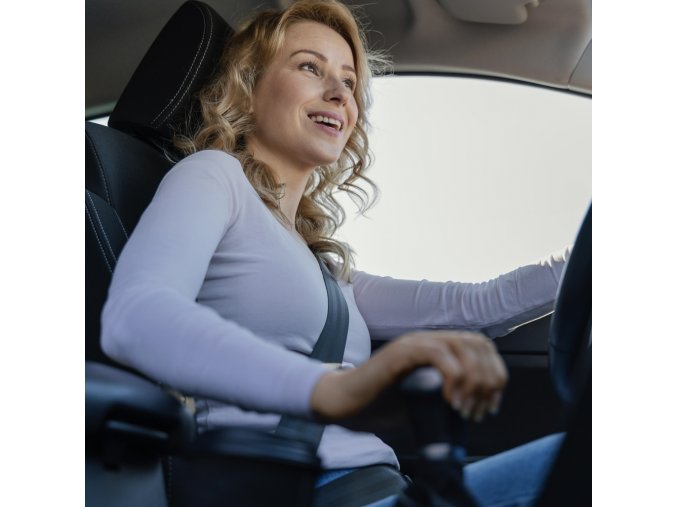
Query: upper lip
[[329, 114]]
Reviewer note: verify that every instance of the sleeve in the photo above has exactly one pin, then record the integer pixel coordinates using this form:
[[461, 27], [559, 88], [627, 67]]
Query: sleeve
[[152, 322], [392, 307]]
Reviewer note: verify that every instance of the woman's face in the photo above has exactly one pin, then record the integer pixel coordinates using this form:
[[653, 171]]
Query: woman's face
[[304, 108]]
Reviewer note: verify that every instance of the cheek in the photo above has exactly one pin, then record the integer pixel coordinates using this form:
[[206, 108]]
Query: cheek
[[354, 113]]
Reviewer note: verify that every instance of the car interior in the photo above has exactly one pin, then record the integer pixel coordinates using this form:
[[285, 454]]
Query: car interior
[[138, 433]]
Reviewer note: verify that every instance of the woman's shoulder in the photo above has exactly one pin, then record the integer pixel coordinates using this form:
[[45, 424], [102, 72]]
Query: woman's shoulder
[[219, 166], [211, 161]]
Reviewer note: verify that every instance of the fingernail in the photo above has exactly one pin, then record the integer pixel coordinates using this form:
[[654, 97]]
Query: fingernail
[[495, 406], [465, 409], [456, 401]]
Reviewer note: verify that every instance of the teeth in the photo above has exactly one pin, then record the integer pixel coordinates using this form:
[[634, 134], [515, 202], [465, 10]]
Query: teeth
[[325, 119]]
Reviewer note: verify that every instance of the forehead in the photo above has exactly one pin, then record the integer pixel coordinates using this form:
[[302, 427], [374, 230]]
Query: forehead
[[317, 37]]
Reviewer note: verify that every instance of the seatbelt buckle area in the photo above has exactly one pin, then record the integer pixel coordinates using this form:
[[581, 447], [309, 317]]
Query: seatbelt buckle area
[[339, 366]]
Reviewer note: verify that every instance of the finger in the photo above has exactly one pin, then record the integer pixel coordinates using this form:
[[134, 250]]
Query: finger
[[426, 349], [458, 356], [494, 373], [467, 407], [471, 373], [483, 373], [486, 366], [480, 411], [476, 372], [484, 356], [451, 370], [501, 379], [496, 403]]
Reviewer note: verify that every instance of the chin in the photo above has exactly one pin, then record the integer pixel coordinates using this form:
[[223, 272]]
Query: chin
[[324, 160], [324, 152]]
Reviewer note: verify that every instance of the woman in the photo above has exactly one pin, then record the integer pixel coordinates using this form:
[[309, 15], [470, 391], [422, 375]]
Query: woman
[[217, 290]]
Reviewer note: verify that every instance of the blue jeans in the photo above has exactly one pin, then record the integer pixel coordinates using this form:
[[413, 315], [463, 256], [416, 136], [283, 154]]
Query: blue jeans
[[512, 478]]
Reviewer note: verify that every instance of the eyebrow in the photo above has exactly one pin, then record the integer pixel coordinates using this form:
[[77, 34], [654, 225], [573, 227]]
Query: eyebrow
[[321, 57]]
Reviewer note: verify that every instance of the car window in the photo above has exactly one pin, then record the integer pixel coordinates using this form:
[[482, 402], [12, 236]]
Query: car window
[[476, 177]]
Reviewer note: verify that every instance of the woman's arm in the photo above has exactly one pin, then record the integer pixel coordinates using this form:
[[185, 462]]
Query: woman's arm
[[392, 307], [152, 322], [416, 312], [473, 374]]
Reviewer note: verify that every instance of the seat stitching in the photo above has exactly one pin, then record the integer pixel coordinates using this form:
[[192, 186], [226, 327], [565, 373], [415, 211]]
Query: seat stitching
[[98, 162], [154, 120], [91, 223], [211, 32], [103, 230], [124, 231]]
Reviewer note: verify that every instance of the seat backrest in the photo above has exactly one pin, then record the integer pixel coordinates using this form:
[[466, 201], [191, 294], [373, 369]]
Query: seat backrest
[[159, 98], [126, 161], [121, 176]]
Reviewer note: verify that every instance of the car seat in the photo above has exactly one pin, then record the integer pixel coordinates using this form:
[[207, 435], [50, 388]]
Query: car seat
[[131, 421], [132, 424]]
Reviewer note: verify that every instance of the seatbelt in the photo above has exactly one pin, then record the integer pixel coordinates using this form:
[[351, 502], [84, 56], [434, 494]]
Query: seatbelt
[[329, 348]]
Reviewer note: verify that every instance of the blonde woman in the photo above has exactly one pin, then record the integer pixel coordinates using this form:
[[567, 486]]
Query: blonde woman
[[218, 292]]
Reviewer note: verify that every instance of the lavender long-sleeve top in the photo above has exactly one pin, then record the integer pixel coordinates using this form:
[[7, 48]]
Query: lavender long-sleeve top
[[211, 291]]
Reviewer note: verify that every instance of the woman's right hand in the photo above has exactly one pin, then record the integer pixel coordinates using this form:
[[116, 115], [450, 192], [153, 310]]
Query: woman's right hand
[[473, 372]]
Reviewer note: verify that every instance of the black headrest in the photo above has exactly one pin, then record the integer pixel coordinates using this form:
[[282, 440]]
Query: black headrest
[[183, 57]]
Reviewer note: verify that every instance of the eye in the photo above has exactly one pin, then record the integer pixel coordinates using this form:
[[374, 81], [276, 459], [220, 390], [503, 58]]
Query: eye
[[350, 84], [310, 66]]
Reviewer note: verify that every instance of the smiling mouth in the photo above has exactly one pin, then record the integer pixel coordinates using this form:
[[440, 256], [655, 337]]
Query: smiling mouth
[[329, 122]]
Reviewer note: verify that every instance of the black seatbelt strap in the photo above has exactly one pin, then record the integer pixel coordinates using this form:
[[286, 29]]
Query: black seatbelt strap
[[329, 348], [331, 344]]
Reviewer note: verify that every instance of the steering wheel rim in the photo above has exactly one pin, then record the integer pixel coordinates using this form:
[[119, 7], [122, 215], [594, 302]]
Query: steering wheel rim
[[570, 332]]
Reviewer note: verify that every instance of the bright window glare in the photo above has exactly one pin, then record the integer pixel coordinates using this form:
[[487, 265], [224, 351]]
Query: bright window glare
[[477, 177], [101, 121]]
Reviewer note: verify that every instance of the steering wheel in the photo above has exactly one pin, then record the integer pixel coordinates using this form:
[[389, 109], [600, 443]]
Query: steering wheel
[[570, 331]]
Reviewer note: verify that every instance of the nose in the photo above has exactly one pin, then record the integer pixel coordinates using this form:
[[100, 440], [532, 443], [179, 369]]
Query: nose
[[336, 91]]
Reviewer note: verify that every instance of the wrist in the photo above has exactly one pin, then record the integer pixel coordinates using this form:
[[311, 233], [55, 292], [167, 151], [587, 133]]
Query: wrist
[[326, 399]]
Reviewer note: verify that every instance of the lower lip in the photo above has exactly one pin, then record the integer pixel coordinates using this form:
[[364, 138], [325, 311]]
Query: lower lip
[[329, 130]]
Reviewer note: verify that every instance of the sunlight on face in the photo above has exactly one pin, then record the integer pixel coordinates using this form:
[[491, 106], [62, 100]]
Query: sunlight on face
[[304, 106]]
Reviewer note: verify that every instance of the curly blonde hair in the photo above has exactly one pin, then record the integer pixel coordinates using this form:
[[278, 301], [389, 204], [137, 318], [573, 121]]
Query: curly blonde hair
[[227, 120]]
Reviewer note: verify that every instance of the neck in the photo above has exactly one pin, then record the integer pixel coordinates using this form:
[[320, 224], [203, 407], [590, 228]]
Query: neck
[[290, 174], [293, 192]]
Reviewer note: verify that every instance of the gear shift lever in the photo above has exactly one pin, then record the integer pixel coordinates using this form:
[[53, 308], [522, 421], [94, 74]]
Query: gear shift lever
[[440, 435]]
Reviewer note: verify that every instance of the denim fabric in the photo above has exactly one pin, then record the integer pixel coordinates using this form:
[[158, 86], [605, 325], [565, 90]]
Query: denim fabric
[[330, 475], [512, 478]]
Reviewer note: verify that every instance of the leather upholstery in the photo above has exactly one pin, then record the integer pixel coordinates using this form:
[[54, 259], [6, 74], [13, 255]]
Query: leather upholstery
[[159, 97], [130, 422], [122, 173], [121, 176]]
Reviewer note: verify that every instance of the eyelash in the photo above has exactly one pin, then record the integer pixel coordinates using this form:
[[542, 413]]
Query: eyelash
[[312, 65], [314, 68]]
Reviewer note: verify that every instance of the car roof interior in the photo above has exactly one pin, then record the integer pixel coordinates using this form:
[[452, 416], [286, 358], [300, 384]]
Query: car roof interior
[[548, 44]]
